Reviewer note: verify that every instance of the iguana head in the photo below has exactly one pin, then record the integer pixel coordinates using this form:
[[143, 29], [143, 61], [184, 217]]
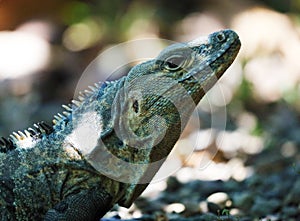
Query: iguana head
[[160, 94]]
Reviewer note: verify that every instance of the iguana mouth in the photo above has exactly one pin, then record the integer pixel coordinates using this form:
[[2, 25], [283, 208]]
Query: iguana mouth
[[224, 58], [210, 65]]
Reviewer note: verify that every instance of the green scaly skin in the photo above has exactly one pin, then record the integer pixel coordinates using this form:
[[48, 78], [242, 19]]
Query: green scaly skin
[[107, 147]]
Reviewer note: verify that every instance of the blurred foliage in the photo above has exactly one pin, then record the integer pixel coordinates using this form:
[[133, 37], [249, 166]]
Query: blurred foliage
[[75, 12], [282, 6]]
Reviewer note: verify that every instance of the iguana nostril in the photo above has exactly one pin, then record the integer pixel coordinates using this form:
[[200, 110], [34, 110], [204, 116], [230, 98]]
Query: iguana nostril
[[220, 37]]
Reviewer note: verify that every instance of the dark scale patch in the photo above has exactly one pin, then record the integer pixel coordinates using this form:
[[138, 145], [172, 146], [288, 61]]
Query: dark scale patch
[[8, 185], [6, 144], [46, 127], [40, 129], [7, 196]]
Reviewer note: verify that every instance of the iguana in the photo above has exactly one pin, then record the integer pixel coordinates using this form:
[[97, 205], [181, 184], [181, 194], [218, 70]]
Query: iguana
[[107, 146]]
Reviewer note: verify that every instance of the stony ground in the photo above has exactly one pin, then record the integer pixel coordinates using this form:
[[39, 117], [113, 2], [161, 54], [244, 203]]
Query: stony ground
[[272, 193]]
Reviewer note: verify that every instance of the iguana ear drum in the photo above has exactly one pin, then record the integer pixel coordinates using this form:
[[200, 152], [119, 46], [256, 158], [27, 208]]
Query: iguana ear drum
[[135, 106]]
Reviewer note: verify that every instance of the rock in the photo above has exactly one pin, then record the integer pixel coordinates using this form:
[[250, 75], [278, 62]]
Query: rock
[[294, 195], [173, 184], [262, 206], [213, 208], [291, 211], [218, 198], [243, 200]]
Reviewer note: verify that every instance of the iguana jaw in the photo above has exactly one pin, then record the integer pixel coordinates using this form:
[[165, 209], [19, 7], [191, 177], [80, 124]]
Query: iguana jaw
[[216, 54], [224, 47]]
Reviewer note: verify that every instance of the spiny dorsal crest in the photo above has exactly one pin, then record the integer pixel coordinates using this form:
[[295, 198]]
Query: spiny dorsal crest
[[21, 138], [11, 143], [69, 108]]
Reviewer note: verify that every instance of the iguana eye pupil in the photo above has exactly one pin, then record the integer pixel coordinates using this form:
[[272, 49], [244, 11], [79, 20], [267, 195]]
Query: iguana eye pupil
[[135, 106], [172, 65], [174, 62]]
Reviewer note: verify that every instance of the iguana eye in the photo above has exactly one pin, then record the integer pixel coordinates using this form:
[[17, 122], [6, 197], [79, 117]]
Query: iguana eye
[[174, 62]]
